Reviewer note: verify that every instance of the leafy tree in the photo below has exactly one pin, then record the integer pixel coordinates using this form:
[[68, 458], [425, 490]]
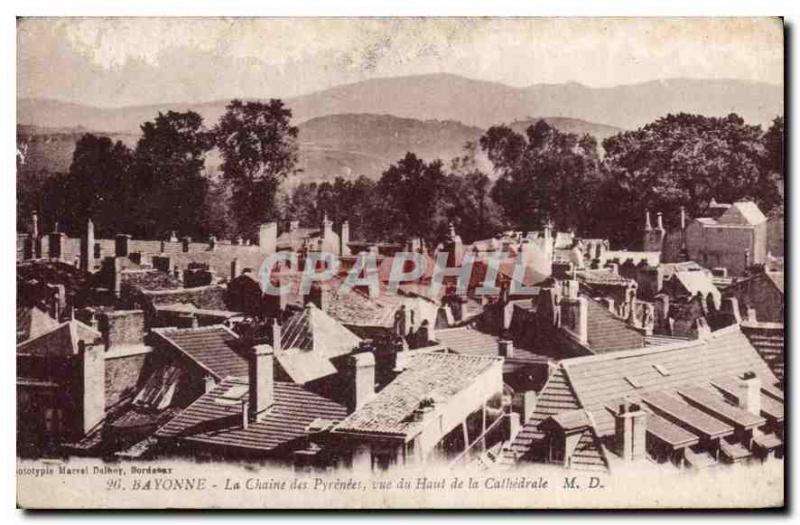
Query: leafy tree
[[97, 186], [169, 175], [474, 213], [259, 149], [680, 160], [773, 144], [544, 175], [411, 193]]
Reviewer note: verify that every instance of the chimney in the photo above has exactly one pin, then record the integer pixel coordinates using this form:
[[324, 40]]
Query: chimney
[[35, 225], [750, 393], [647, 225], [56, 245], [630, 430], [92, 380], [751, 315], [660, 221], [276, 335], [506, 348], [362, 377], [344, 239], [234, 268], [294, 225], [262, 381], [319, 296], [268, 237], [87, 248], [185, 241], [528, 405], [121, 245], [574, 317], [245, 414], [730, 305], [212, 243]]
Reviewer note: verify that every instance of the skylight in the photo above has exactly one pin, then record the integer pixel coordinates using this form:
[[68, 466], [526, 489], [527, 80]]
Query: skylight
[[661, 370]]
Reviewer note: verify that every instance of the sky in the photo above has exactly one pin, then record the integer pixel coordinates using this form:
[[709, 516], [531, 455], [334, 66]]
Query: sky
[[131, 61]]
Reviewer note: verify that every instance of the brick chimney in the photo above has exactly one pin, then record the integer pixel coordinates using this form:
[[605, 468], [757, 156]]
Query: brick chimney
[[630, 430], [262, 381], [750, 393], [362, 379]]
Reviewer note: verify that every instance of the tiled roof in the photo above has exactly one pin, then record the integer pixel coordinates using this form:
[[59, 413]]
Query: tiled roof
[[597, 383], [607, 333], [217, 421], [309, 339], [214, 348], [149, 280], [61, 340], [437, 376], [769, 341], [604, 277], [469, 341], [312, 329]]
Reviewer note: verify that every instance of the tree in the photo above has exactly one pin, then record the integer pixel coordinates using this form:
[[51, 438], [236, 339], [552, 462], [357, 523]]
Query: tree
[[96, 187], [259, 149], [545, 175], [680, 160], [773, 144], [169, 175], [474, 213], [411, 194]]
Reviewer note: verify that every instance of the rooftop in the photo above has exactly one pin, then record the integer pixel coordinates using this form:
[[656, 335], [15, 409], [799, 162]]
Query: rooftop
[[215, 418], [214, 348], [436, 376], [665, 378]]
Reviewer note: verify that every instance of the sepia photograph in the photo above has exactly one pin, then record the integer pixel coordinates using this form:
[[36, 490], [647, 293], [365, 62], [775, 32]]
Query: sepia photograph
[[394, 263]]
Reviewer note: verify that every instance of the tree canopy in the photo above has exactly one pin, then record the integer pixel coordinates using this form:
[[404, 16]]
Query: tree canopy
[[258, 145]]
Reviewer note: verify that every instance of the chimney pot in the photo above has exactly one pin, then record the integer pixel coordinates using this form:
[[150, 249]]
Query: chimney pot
[[506, 348], [750, 393]]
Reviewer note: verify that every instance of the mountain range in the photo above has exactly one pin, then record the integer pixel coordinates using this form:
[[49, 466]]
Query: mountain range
[[360, 128]]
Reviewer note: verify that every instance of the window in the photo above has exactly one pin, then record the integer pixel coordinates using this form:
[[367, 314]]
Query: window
[[557, 444]]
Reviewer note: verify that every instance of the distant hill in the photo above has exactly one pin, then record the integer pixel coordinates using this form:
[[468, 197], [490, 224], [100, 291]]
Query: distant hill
[[570, 125], [332, 146], [475, 103], [51, 149]]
